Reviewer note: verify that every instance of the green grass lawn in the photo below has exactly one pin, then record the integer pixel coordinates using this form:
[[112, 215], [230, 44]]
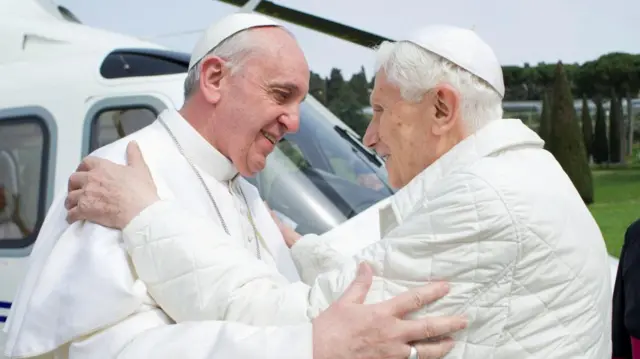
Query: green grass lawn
[[617, 203]]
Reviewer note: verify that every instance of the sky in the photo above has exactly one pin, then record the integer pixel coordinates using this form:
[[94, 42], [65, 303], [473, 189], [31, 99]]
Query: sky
[[519, 31]]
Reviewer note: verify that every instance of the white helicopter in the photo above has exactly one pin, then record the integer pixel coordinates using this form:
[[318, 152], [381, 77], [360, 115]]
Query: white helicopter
[[67, 89]]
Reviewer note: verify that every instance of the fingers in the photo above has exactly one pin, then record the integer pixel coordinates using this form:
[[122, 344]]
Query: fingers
[[357, 291], [74, 215], [434, 350], [89, 163], [77, 180], [415, 298], [72, 198], [432, 327], [134, 156]]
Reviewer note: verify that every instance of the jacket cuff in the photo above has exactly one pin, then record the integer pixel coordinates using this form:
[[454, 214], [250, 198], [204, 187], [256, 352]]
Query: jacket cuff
[[304, 253], [136, 233]]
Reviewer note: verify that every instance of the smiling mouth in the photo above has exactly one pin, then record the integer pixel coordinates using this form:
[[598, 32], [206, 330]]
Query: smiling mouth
[[269, 137]]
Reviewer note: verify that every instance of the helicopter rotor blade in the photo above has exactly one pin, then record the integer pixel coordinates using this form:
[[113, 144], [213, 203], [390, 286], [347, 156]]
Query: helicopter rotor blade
[[313, 22]]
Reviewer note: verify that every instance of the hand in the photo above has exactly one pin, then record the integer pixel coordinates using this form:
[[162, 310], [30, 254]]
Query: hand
[[349, 329], [290, 236], [110, 194]]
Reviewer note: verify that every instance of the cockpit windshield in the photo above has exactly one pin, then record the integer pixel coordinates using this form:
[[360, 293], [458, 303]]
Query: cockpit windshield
[[321, 175]]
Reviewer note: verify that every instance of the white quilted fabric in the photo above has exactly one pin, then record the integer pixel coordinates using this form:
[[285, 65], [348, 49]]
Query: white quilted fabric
[[499, 219]]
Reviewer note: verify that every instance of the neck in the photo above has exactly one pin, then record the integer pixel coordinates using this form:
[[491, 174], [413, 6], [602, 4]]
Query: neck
[[453, 137], [202, 122]]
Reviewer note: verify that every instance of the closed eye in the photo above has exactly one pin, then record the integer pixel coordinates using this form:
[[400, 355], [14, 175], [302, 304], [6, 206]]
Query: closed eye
[[281, 96]]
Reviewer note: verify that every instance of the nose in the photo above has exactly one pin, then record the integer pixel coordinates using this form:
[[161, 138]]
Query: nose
[[291, 121], [370, 138]]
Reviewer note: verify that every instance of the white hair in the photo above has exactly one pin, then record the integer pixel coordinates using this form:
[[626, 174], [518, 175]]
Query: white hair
[[415, 71], [234, 50]]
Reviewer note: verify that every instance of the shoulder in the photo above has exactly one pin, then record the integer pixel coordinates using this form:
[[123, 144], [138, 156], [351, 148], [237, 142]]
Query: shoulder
[[460, 202], [117, 150], [462, 188], [633, 231]]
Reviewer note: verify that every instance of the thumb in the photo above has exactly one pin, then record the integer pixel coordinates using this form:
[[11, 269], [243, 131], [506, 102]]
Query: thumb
[[134, 156], [357, 291]]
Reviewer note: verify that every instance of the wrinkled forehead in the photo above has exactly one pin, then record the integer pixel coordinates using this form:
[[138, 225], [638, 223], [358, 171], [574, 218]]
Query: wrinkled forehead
[[383, 89], [281, 62]]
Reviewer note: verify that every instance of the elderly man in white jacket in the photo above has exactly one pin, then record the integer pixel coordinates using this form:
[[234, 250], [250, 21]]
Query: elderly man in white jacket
[[481, 204]]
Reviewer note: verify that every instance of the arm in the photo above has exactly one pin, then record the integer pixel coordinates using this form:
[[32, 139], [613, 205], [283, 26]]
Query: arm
[[150, 334], [630, 276], [205, 269], [195, 271], [347, 329], [315, 254]]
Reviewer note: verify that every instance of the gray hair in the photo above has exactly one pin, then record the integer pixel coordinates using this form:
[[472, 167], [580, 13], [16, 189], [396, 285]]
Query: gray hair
[[234, 50], [415, 71]]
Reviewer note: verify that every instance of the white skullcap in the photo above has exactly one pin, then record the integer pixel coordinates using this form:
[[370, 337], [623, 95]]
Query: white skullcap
[[464, 48], [225, 28]]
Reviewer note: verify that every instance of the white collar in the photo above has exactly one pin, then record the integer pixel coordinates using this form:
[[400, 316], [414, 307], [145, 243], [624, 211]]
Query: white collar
[[497, 135], [197, 149]]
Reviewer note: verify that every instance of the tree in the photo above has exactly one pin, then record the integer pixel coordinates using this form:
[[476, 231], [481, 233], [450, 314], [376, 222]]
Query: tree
[[567, 144], [360, 86], [335, 83], [600, 140], [318, 88], [587, 128], [544, 131], [615, 119]]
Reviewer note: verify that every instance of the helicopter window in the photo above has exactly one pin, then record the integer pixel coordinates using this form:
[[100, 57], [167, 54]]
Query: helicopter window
[[112, 124], [23, 146], [135, 63]]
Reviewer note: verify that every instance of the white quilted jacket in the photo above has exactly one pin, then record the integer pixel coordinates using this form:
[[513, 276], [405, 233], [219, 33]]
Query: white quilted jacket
[[496, 217]]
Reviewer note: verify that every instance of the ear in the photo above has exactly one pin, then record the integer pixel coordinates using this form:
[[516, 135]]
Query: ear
[[212, 74], [447, 108]]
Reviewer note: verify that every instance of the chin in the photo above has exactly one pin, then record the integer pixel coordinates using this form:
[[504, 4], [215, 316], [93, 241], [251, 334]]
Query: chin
[[394, 181], [254, 167]]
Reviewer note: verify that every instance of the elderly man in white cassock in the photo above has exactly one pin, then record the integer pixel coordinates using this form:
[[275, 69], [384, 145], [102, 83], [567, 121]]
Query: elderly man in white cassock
[[481, 204], [82, 298]]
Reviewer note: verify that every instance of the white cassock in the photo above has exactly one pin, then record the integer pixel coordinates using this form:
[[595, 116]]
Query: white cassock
[[81, 297]]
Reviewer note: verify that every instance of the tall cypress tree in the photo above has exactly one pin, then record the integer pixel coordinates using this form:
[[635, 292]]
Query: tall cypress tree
[[615, 120], [544, 131], [567, 144], [587, 128], [600, 139]]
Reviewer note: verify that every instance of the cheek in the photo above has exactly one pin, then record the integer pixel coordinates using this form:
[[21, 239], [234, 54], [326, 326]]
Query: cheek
[[393, 134]]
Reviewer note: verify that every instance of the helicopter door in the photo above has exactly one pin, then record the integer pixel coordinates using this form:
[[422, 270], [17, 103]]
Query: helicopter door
[[111, 119]]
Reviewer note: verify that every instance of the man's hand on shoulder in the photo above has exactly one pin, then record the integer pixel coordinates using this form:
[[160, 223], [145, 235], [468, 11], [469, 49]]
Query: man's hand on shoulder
[[110, 194], [349, 329]]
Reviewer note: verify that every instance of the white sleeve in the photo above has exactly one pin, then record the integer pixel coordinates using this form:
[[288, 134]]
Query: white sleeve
[[150, 335], [313, 255], [195, 271]]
